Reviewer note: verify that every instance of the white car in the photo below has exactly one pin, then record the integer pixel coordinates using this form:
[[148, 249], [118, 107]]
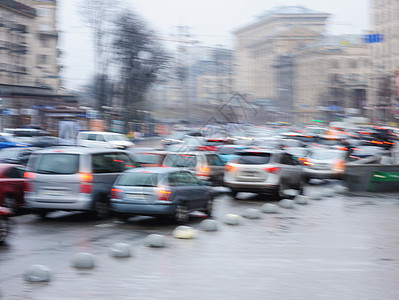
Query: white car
[[103, 139], [263, 171]]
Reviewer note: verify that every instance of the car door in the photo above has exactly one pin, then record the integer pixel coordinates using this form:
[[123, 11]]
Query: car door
[[17, 183], [189, 189], [290, 171]]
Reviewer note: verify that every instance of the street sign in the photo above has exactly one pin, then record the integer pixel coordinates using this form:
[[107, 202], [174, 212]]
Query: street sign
[[373, 38]]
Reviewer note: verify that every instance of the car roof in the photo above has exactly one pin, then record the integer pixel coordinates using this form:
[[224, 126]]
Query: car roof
[[77, 150], [100, 132]]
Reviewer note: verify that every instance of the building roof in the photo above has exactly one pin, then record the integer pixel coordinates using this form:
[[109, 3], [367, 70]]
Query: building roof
[[290, 10]]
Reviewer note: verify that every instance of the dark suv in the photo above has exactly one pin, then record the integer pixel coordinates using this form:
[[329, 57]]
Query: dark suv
[[73, 178]]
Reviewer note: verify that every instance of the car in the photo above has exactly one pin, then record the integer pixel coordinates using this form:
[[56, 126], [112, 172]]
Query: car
[[360, 152], [73, 179], [7, 140], [324, 164], [174, 138], [157, 191], [16, 155], [207, 166], [12, 184], [264, 171], [5, 224], [103, 139], [148, 158], [229, 152]]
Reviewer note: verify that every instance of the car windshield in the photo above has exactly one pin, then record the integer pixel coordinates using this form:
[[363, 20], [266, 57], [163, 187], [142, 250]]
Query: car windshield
[[57, 163], [254, 158], [141, 178], [180, 160], [9, 153], [325, 155]]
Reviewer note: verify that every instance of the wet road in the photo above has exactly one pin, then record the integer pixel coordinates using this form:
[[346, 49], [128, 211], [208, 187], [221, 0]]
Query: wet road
[[340, 247]]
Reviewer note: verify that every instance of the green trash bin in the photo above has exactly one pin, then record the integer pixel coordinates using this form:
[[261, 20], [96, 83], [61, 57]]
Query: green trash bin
[[384, 182]]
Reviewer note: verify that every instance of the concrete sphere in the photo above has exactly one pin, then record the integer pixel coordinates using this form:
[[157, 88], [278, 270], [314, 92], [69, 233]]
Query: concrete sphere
[[286, 203], [184, 232], [301, 199], [209, 225], [83, 260], [269, 208], [340, 189], [231, 219], [155, 240], [120, 250], [329, 192], [316, 196], [37, 273], [251, 213]]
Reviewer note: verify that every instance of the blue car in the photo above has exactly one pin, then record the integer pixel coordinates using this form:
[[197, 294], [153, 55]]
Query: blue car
[[229, 152], [157, 191], [9, 141]]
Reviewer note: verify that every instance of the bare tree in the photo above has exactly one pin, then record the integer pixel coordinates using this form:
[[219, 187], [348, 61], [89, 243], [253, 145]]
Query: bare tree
[[99, 15], [139, 58]]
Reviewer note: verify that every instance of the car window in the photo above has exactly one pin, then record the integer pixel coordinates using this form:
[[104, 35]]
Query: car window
[[91, 137], [181, 160], [125, 162], [108, 163], [254, 158], [185, 178], [15, 172], [3, 139], [214, 160], [9, 153], [144, 179], [147, 158], [57, 163], [324, 155], [100, 138], [227, 150], [286, 159]]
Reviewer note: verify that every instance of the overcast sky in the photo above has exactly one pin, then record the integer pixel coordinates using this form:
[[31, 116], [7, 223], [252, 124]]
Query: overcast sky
[[209, 21]]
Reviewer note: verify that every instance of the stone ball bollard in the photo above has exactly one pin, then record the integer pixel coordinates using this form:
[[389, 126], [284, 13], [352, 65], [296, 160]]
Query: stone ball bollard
[[301, 199], [340, 189], [155, 240], [37, 273], [286, 203], [329, 193], [184, 232], [232, 219], [83, 260], [269, 208], [209, 225], [120, 250], [316, 196], [251, 213]]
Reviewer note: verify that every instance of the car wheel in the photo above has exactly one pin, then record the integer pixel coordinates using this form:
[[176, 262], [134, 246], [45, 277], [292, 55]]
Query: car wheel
[[11, 203], [4, 229], [181, 214], [280, 190], [209, 207], [100, 209], [233, 193], [301, 186], [41, 213]]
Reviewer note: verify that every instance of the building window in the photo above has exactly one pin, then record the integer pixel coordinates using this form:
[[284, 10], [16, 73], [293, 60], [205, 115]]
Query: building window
[[43, 59], [44, 42], [45, 27], [43, 12]]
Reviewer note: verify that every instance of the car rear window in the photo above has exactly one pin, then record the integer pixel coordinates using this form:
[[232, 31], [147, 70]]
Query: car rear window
[[325, 155], [181, 160], [227, 150], [214, 160], [57, 163], [254, 158], [138, 179], [148, 158]]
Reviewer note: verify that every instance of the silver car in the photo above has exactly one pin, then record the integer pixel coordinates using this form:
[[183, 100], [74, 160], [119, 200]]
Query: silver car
[[157, 191], [73, 178], [263, 171]]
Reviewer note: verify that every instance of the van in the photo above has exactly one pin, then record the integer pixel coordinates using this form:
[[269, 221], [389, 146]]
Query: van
[[103, 139], [73, 178]]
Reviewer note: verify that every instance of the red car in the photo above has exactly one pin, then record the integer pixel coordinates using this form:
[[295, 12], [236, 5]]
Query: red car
[[12, 183]]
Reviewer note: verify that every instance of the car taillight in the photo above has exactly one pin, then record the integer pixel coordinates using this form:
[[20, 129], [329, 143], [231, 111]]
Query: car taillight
[[272, 170], [86, 183], [307, 162], [116, 193], [229, 168], [203, 171], [28, 185], [164, 195], [339, 166]]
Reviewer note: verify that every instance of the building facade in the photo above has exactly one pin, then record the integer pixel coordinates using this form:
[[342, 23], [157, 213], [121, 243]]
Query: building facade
[[384, 92], [260, 44]]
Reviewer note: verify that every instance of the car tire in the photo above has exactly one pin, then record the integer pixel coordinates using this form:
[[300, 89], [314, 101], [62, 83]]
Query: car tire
[[280, 190], [100, 209], [11, 203], [41, 213], [181, 215], [4, 229], [233, 193]]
